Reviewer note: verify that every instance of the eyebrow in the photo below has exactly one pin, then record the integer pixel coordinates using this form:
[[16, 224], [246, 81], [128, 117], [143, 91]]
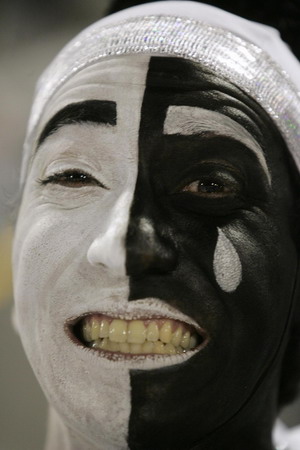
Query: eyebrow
[[95, 111], [193, 120]]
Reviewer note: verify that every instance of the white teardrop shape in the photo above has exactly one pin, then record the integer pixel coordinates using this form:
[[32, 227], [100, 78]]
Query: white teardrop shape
[[227, 264]]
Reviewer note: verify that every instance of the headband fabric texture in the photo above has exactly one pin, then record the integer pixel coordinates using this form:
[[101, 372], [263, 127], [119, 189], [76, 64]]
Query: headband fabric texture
[[249, 55]]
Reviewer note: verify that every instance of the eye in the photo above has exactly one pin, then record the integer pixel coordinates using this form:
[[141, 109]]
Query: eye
[[210, 188], [72, 179]]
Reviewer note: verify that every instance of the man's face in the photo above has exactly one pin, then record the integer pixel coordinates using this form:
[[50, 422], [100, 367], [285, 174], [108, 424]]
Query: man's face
[[158, 207]]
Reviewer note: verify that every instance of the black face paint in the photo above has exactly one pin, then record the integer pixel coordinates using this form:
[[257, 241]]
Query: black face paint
[[226, 392]]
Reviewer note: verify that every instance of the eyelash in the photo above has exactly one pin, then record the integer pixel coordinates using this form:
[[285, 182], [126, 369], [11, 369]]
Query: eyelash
[[210, 188], [72, 178], [212, 180]]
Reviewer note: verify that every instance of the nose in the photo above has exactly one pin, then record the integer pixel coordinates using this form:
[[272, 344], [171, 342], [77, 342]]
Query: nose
[[148, 250], [108, 248]]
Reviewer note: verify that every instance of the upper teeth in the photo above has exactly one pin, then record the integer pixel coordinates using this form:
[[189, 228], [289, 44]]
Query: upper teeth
[[160, 336]]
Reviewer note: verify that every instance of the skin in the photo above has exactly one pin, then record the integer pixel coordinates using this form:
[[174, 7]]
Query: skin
[[140, 233]]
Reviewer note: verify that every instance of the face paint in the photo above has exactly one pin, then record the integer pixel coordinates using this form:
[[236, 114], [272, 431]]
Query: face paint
[[69, 247], [196, 188], [227, 264], [108, 249], [153, 201], [187, 120]]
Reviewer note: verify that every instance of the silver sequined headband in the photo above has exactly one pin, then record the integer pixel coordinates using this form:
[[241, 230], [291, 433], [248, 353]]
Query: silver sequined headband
[[237, 60]]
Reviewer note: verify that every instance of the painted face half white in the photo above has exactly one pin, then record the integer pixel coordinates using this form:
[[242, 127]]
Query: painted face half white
[[62, 268]]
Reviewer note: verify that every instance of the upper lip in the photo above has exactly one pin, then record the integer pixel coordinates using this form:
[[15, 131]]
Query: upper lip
[[146, 308]]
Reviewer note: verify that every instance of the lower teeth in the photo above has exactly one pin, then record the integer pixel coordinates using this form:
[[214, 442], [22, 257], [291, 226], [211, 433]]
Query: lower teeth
[[158, 347]]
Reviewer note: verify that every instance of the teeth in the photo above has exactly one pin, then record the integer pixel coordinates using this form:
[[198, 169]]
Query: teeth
[[104, 329], [170, 349], [137, 336], [95, 328], [118, 331], [86, 331], [103, 344], [136, 348], [165, 334], [158, 348], [185, 341], [148, 347], [125, 347], [193, 341], [177, 336], [113, 346], [136, 332], [152, 332]]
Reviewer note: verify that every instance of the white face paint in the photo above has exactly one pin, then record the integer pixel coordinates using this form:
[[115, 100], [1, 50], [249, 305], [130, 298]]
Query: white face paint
[[69, 253], [189, 120], [227, 264]]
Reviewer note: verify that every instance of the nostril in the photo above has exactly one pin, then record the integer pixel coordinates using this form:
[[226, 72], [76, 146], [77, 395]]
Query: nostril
[[150, 257]]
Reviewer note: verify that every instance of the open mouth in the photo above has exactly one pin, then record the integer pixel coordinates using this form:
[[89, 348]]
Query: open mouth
[[145, 336]]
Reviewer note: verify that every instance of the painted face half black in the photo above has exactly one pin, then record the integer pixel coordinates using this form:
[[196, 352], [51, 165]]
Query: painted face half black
[[210, 234]]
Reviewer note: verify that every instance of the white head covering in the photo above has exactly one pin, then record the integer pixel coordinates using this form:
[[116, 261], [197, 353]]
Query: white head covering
[[249, 54]]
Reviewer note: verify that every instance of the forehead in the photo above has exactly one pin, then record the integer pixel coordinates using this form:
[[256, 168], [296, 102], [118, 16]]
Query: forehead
[[177, 97], [172, 80], [103, 81]]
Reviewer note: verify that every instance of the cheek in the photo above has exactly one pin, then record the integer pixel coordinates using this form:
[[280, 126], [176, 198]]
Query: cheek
[[43, 252], [227, 265], [51, 257], [42, 245], [54, 282]]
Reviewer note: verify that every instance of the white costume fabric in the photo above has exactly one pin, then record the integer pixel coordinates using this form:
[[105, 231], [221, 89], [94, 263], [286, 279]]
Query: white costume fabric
[[248, 54]]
